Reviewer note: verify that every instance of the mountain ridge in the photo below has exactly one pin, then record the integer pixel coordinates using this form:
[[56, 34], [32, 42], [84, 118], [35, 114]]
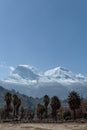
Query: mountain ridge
[[26, 102], [57, 81]]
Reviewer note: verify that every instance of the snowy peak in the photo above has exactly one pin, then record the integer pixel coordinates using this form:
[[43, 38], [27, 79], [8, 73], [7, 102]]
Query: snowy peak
[[26, 72], [59, 74], [57, 81], [64, 74], [56, 71]]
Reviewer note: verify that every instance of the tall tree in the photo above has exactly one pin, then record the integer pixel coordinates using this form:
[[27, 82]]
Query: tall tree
[[55, 105], [15, 100], [40, 111], [74, 102], [16, 104], [8, 107], [46, 101], [22, 112]]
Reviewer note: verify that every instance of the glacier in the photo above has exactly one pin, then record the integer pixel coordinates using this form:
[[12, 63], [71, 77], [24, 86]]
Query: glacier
[[58, 81]]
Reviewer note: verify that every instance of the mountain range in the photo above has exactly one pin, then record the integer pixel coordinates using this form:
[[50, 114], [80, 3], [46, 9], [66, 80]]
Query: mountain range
[[58, 81], [27, 102]]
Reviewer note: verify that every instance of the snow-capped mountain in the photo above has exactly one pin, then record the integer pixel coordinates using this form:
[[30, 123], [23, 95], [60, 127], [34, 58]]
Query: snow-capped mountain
[[58, 81], [26, 72], [60, 74]]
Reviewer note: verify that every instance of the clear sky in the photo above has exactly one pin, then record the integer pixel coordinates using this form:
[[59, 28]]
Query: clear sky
[[44, 34]]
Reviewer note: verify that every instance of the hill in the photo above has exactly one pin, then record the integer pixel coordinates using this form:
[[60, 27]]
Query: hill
[[27, 102]]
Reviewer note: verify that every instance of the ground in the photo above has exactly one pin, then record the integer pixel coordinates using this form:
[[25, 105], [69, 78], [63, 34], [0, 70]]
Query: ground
[[42, 126]]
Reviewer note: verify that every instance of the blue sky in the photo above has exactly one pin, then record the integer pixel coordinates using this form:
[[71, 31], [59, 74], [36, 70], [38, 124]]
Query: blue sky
[[44, 34]]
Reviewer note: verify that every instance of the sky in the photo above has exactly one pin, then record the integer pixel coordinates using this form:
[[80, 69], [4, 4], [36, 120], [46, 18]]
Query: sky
[[44, 34]]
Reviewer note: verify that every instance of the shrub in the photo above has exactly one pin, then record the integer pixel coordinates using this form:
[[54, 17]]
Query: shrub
[[67, 115]]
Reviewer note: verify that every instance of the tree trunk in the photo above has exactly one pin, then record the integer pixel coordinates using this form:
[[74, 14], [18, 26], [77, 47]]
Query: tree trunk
[[46, 112], [74, 112], [14, 112]]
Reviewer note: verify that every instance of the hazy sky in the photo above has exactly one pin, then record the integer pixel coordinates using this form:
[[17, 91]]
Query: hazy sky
[[44, 34]]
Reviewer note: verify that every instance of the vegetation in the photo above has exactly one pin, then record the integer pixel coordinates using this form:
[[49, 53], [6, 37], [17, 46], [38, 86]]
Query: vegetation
[[55, 105], [46, 110], [8, 107], [67, 115], [16, 104], [74, 102], [12, 106], [40, 111], [46, 101]]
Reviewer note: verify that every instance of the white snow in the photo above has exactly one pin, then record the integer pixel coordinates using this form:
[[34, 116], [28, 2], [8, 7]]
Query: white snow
[[33, 82]]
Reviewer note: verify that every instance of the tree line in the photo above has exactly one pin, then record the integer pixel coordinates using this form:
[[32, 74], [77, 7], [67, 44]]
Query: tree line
[[74, 102], [13, 103], [50, 109]]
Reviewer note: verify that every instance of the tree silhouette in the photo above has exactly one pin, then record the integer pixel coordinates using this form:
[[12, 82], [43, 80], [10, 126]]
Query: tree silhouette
[[40, 111], [46, 101], [8, 107], [16, 104], [15, 100], [22, 112], [55, 105], [74, 102]]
